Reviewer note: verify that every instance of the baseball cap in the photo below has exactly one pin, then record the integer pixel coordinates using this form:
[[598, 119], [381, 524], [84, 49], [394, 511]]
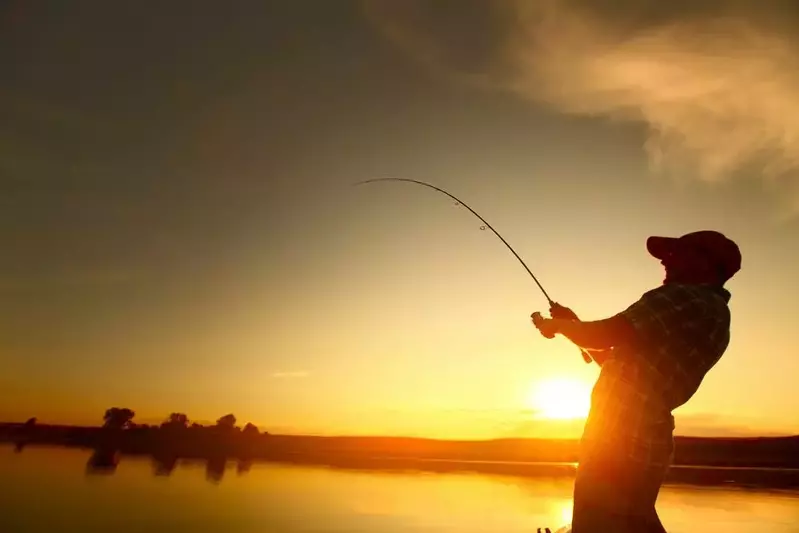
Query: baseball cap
[[716, 246]]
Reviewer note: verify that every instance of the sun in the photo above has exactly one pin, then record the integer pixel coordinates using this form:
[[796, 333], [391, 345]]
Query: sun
[[561, 399]]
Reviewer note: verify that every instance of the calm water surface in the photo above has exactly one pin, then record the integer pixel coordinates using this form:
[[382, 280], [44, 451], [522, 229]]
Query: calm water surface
[[49, 490]]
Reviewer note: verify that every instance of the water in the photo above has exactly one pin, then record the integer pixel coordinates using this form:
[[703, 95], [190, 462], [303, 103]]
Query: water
[[48, 490]]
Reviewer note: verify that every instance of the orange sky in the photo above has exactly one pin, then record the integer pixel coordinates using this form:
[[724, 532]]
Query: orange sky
[[197, 246]]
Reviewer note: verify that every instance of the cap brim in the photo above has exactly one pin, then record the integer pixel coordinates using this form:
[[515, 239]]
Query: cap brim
[[660, 247]]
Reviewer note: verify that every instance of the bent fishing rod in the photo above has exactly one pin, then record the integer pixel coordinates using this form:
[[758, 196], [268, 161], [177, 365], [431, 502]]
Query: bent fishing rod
[[586, 357]]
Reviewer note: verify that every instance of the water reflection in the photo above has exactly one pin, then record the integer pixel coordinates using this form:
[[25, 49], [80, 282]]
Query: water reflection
[[243, 466], [164, 465], [102, 462], [203, 496], [215, 469]]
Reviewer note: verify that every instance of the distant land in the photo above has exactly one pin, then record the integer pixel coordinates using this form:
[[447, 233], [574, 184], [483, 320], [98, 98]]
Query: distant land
[[747, 460]]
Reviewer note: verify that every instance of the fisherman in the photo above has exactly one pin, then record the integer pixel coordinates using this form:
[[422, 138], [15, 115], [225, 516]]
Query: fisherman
[[653, 357]]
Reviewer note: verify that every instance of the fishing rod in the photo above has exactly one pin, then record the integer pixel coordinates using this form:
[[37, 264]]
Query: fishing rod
[[460, 202]]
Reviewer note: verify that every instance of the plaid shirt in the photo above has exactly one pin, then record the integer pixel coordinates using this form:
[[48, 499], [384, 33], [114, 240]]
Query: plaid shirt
[[683, 330]]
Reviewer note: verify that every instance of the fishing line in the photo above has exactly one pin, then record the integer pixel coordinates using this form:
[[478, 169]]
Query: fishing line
[[461, 203]]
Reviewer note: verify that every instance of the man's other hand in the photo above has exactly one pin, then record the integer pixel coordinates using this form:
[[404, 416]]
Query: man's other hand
[[545, 325]]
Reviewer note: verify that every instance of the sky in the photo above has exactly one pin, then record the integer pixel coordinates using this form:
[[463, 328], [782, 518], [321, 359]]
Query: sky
[[181, 233]]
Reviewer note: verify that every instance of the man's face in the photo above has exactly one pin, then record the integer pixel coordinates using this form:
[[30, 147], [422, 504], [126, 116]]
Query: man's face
[[686, 264]]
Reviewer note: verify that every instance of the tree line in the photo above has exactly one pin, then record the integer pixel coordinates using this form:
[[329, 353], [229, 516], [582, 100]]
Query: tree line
[[121, 418]]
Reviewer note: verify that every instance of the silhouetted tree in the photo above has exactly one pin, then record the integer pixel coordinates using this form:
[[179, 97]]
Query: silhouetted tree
[[118, 418], [227, 422], [30, 422], [195, 425], [250, 429], [177, 420]]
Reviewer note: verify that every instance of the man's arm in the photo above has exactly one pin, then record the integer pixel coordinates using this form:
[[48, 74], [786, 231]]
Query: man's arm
[[596, 335], [648, 321], [559, 311]]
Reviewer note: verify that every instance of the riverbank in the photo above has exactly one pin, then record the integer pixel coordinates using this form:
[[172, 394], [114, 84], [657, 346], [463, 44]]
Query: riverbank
[[105, 461]]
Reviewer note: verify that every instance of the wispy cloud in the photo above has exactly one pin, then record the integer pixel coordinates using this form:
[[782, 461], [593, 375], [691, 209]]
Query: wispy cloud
[[716, 82], [290, 375]]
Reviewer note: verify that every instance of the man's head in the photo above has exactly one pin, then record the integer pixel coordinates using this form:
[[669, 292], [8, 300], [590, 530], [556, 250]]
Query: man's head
[[698, 257]]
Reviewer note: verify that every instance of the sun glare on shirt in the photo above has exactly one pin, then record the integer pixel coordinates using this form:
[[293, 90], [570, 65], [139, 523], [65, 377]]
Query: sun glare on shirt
[[561, 399]]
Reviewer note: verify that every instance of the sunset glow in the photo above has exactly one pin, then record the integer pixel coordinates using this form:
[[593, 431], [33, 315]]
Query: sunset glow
[[561, 399], [183, 235]]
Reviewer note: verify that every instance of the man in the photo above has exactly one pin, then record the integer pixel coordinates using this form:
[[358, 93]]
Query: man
[[654, 356]]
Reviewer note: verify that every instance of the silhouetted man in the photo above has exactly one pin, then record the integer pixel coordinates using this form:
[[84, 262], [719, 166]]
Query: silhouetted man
[[654, 356]]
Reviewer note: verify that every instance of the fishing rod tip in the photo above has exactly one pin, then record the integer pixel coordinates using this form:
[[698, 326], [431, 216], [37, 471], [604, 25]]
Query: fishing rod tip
[[372, 180]]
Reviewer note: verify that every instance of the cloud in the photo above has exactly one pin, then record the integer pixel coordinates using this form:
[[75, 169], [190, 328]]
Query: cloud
[[716, 82], [290, 375]]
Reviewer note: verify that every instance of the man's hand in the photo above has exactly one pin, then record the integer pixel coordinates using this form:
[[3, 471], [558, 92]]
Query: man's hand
[[559, 311], [545, 325]]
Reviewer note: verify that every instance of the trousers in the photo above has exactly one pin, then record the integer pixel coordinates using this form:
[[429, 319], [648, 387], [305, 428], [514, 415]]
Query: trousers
[[617, 495]]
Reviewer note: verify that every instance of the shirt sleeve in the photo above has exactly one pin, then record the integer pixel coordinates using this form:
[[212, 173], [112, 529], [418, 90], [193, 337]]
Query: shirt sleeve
[[661, 311]]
